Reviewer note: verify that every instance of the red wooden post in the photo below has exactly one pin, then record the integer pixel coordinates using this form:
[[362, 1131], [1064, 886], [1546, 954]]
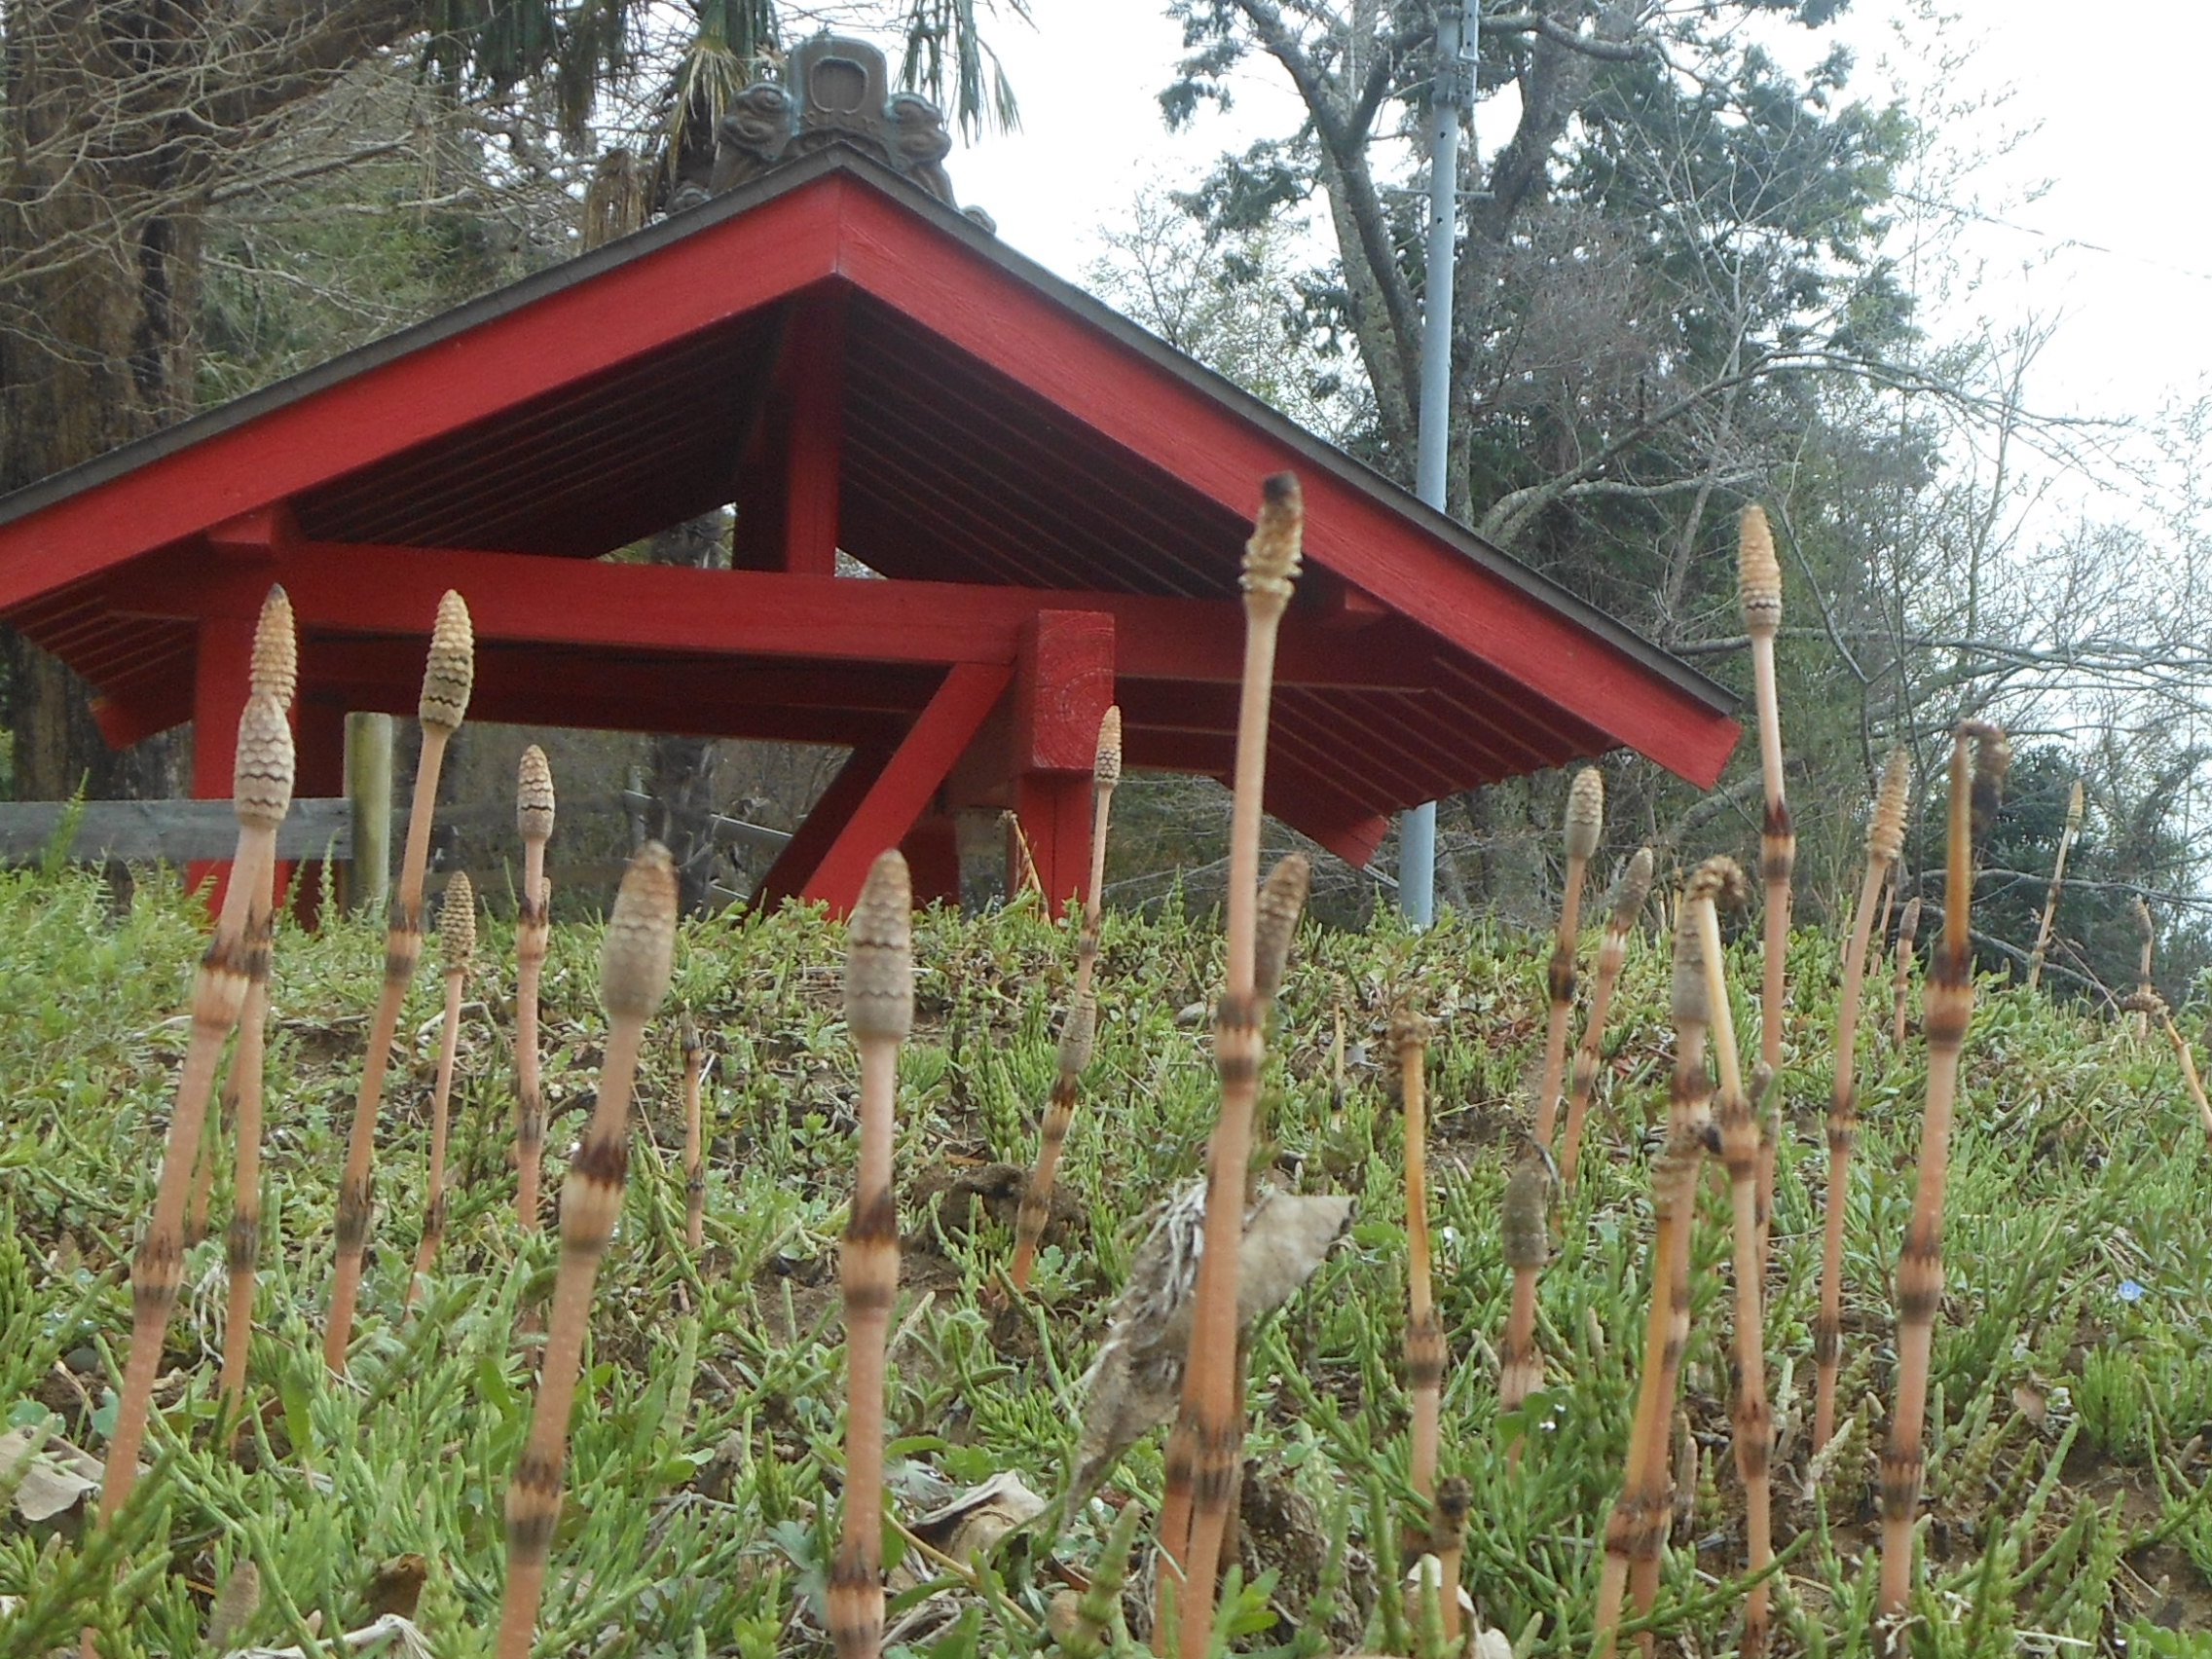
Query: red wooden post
[[1063, 685], [933, 859], [219, 680], [318, 722], [902, 790], [814, 366]]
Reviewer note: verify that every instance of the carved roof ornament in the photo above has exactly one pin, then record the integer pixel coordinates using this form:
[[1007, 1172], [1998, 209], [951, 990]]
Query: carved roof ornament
[[834, 90]]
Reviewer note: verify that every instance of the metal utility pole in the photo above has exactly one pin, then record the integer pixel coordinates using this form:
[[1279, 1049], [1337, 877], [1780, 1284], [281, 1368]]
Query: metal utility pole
[[1459, 39]]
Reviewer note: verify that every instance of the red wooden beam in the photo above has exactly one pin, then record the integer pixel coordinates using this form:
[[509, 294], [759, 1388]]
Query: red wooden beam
[[567, 332], [902, 789], [968, 300], [520, 597]]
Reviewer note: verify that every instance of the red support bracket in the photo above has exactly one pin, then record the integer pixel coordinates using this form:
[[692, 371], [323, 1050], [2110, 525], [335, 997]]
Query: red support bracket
[[1064, 684], [876, 800]]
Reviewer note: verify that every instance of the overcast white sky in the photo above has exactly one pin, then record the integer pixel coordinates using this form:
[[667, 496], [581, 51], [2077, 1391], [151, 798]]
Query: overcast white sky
[[2117, 245]]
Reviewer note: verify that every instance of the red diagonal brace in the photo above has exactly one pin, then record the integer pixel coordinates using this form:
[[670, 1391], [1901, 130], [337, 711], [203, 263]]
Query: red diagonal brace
[[894, 798]]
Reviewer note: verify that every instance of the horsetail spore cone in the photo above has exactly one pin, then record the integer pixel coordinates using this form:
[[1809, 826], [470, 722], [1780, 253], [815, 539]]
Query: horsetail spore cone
[[1885, 839], [880, 1010], [1758, 587], [261, 794], [1980, 757], [2074, 804], [1585, 822], [533, 926], [1630, 895], [1059, 1111], [1210, 1411], [457, 945], [447, 677], [635, 964], [274, 672]]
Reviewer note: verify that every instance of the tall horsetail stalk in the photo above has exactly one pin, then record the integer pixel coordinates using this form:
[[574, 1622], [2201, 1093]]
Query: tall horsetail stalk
[[274, 672], [1425, 1332], [447, 679], [1526, 1223], [636, 962], [1900, 979], [456, 945], [1585, 821], [1637, 1523], [1739, 1126], [1211, 1409], [2147, 930], [1630, 895], [694, 1135], [1979, 756], [2074, 805], [261, 794], [1080, 1027], [1885, 839], [1758, 588], [2155, 1007], [879, 1011], [1280, 901], [534, 927]]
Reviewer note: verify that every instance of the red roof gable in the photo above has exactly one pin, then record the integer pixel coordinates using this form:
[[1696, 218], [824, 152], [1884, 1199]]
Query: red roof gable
[[996, 440]]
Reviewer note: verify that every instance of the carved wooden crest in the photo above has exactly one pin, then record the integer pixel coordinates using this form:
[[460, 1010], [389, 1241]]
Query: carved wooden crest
[[834, 90]]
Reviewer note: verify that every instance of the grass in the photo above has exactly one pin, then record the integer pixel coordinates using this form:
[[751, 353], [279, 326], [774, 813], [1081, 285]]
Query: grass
[[2070, 1400]]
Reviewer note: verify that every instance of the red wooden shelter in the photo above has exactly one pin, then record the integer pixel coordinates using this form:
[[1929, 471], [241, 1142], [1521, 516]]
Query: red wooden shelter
[[1051, 504]]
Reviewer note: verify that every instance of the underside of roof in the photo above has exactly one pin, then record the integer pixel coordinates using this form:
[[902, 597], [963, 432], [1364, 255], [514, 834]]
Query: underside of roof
[[987, 429]]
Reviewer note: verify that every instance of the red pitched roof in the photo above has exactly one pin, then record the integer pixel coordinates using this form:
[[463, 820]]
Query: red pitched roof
[[998, 433]]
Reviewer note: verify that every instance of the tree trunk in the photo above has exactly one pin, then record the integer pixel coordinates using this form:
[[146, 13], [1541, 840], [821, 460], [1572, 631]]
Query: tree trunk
[[116, 117]]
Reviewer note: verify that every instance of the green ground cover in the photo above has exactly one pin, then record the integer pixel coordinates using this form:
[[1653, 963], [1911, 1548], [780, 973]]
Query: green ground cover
[[2072, 1368]]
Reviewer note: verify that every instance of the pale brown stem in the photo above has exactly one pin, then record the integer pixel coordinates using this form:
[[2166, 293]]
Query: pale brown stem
[[1425, 1335], [1059, 1113], [218, 997], [2189, 1074], [591, 1202], [1949, 1004], [1739, 1127], [532, 934], [1521, 1368], [2057, 887], [1209, 1403], [243, 1241], [1778, 854], [203, 1160], [403, 948], [1612, 954], [1560, 984], [634, 973], [1900, 981], [1843, 1137], [441, 1104], [694, 1141], [871, 1281], [1638, 1524]]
